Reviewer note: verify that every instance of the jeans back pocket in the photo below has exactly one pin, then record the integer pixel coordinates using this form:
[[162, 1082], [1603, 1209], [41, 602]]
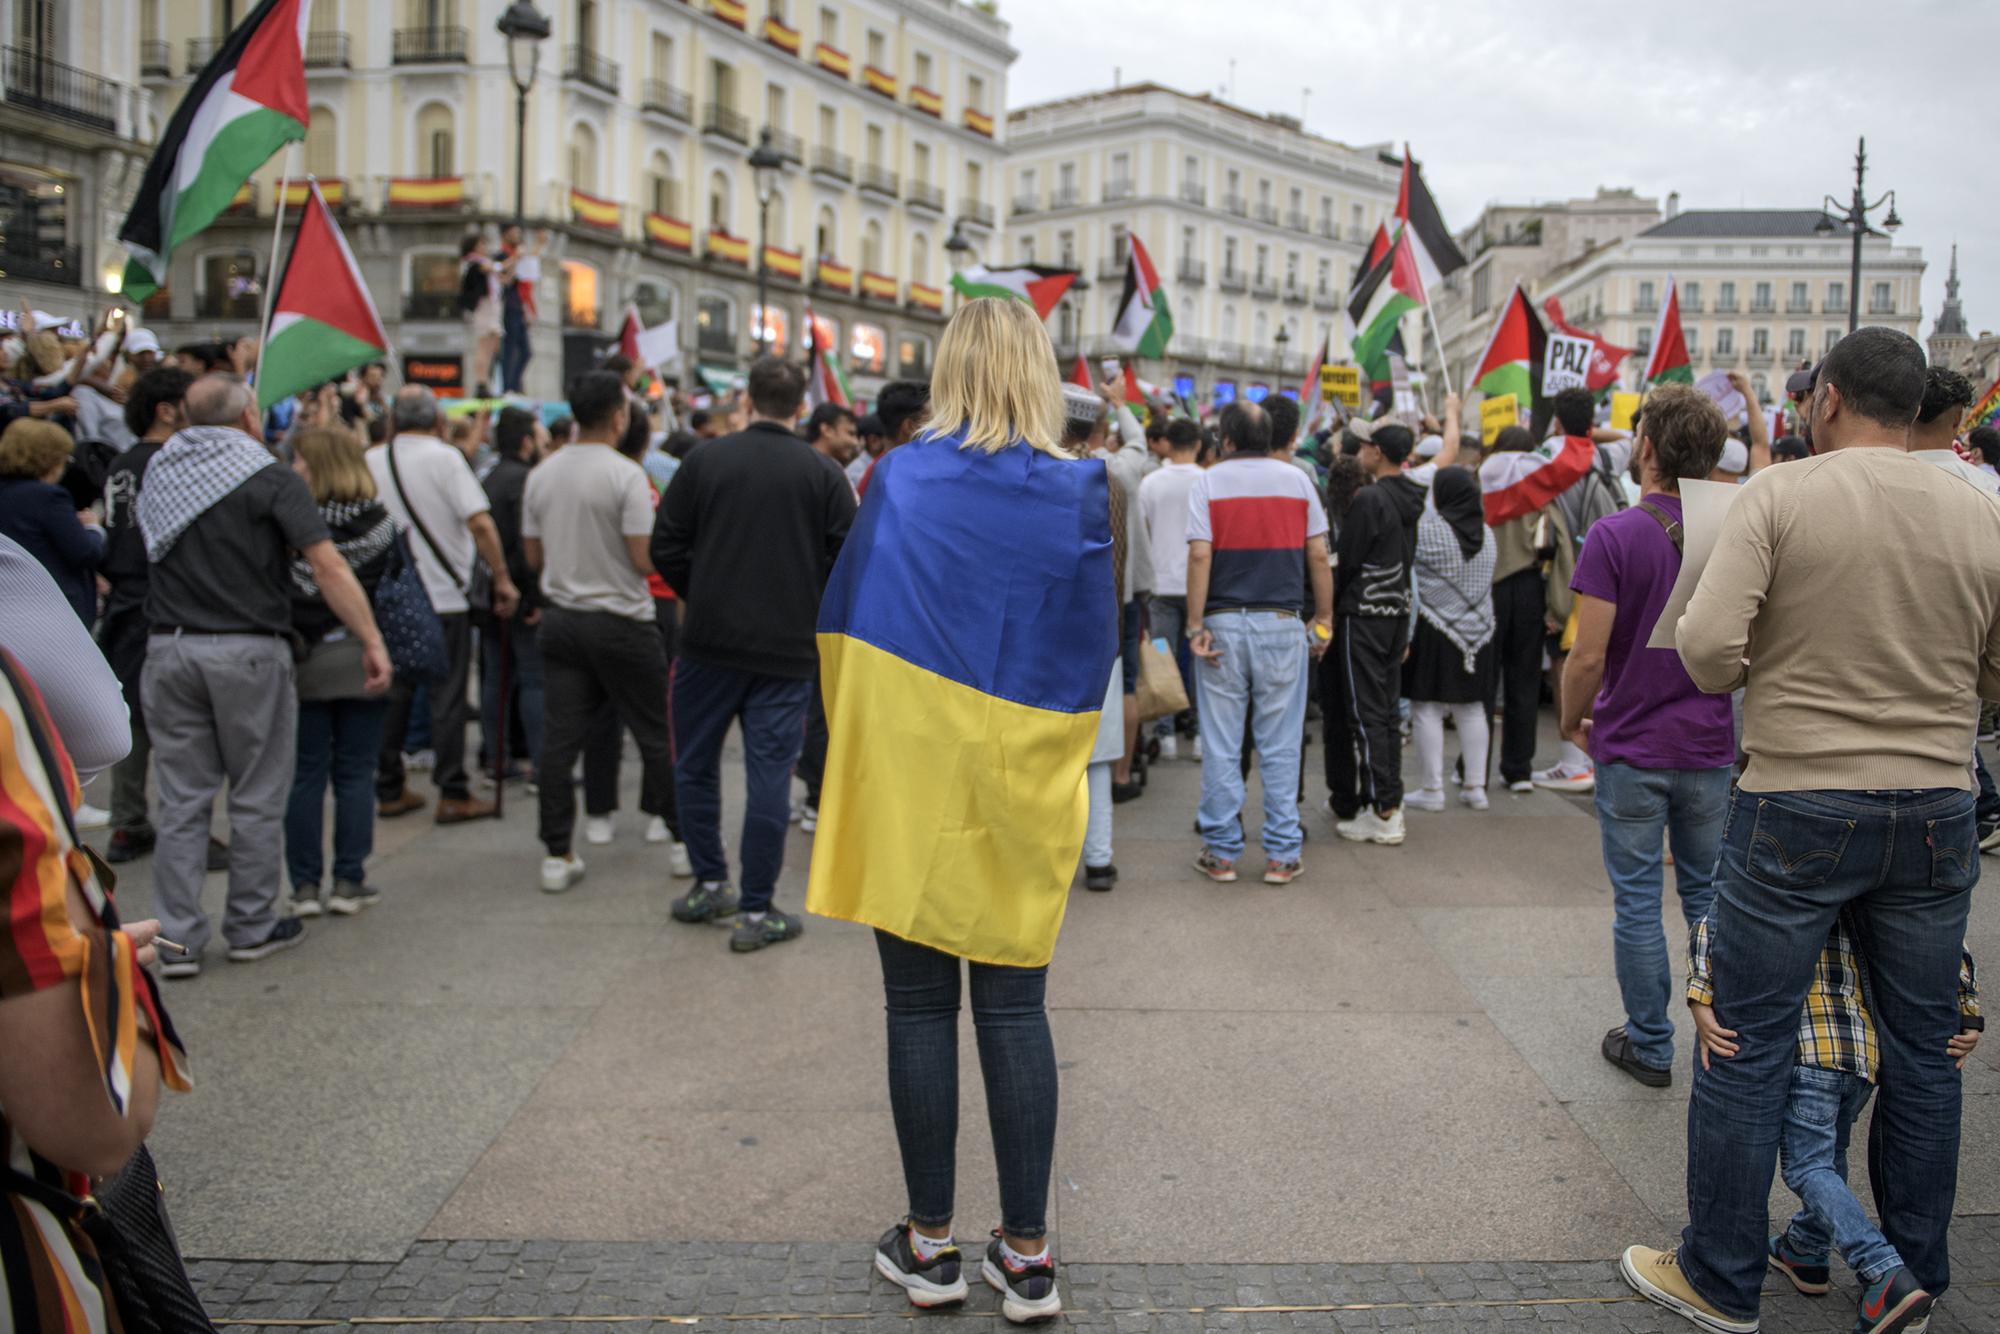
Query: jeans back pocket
[[1954, 844], [1794, 848]]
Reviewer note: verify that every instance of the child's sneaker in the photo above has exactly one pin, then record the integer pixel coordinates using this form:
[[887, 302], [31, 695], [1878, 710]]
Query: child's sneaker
[[1425, 799], [1892, 1304], [938, 1281], [1217, 868], [1814, 1280], [1027, 1295], [1475, 797], [1282, 873]]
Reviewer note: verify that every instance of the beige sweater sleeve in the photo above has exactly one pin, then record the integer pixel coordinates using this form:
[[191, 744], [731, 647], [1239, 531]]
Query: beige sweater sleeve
[[1714, 634]]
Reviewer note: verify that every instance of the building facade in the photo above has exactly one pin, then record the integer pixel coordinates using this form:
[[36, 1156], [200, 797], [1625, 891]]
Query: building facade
[[1254, 226], [75, 127], [887, 114], [1761, 290]]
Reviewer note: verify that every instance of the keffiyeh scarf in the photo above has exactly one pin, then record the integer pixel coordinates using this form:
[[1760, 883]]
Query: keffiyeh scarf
[[195, 470], [362, 530], [1455, 591]]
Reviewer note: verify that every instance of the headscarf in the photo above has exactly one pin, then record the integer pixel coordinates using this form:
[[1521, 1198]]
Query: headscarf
[[1457, 497]]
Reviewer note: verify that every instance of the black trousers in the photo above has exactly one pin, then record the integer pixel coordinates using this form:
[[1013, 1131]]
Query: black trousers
[[449, 711], [604, 748], [597, 664], [1520, 628], [812, 759], [1361, 679]]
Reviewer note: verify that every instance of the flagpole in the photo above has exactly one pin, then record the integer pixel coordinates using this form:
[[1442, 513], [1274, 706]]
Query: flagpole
[[1444, 358], [277, 237]]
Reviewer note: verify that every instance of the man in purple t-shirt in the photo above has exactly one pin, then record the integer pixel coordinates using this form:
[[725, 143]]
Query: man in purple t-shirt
[[1663, 749]]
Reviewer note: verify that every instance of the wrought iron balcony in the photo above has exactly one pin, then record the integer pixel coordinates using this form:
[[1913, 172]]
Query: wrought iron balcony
[[428, 46], [1192, 273], [880, 180], [64, 92], [663, 99], [727, 122], [156, 60], [922, 194], [583, 65], [828, 162], [326, 50]]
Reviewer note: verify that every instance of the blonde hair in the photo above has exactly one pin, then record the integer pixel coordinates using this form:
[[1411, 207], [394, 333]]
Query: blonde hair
[[31, 447], [995, 379], [334, 463]]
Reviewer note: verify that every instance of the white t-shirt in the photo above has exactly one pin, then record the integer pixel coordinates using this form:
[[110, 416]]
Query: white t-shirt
[[446, 495], [1949, 460], [581, 503], [1163, 504]]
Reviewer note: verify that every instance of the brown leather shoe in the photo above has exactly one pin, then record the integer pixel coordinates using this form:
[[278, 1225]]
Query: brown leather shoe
[[457, 810], [401, 804]]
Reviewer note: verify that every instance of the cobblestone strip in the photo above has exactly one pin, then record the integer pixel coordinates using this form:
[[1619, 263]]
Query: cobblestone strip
[[477, 1287]]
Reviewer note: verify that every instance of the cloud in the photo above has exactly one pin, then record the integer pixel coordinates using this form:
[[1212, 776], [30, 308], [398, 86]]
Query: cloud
[[1732, 104]]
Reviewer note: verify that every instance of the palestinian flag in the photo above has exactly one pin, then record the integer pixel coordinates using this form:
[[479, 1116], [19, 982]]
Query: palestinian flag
[[1512, 362], [824, 382], [1437, 254], [1080, 373], [1669, 361], [1039, 287], [1309, 391], [1144, 322], [1520, 481], [248, 103], [323, 322], [1376, 249], [1375, 311]]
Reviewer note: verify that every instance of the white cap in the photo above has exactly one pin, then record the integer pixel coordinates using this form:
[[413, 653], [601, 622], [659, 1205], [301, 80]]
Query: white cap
[[1430, 447], [1735, 456], [41, 319], [141, 340]]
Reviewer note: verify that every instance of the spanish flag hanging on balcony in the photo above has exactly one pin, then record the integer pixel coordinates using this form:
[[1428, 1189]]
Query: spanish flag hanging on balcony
[[730, 11], [784, 263], [979, 122], [833, 58], [879, 81], [730, 249], [926, 298], [592, 211], [426, 191], [878, 285], [837, 276], [669, 232], [926, 101], [778, 35], [333, 190], [965, 639]]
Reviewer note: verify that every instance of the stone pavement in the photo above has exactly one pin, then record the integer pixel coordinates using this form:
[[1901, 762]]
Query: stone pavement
[[1389, 1068]]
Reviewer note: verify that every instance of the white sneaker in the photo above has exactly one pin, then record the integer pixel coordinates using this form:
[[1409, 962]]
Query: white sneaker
[[1425, 799], [559, 873], [1521, 785], [798, 811], [597, 829], [809, 820], [1170, 747], [1368, 827], [1567, 778], [1474, 797], [1194, 749], [677, 858], [419, 761], [92, 817], [307, 907], [657, 831]]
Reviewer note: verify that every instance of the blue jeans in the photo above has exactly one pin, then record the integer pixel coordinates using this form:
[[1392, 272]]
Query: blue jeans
[[1635, 807], [1017, 1059], [524, 681], [1819, 1115], [338, 738], [1260, 675], [1903, 864], [514, 349], [706, 700]]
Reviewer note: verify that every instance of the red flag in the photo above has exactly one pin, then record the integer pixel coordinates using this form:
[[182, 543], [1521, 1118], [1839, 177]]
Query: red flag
[[628, 336], [1080, 373], [1309, 391], [1604, 356]]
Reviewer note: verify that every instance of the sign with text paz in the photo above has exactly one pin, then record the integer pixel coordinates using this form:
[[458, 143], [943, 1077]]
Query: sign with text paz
[[445, 376], [1624, 407], [1567, 365], [1496, 415], [1342, 383]]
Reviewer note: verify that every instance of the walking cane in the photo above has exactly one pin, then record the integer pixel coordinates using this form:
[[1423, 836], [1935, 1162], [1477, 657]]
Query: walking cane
[[503, 758]]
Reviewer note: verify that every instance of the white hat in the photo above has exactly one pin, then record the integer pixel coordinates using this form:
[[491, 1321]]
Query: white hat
[[1430, 447], [140, 340], [1735, 456], [41, 319]]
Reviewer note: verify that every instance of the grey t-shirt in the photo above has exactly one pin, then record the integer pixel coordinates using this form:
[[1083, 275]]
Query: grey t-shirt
[[230, 573], [581, 503]]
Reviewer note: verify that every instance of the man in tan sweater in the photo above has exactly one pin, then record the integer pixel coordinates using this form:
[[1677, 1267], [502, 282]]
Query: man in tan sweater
[[1862, 586]]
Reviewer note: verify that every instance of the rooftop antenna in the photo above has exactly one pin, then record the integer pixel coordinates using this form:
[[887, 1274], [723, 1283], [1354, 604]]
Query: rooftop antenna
[[1305, 96], [1117, 76], [1232, 78]]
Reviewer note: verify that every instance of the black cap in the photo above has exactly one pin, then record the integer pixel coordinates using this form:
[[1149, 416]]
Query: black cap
[[1801, 382], [869, 425]]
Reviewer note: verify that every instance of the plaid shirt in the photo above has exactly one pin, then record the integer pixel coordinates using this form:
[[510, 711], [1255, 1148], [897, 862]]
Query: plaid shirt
[[1835, 1030]]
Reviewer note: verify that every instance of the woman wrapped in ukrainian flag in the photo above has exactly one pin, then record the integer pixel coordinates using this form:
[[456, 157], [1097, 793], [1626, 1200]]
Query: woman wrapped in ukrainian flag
[[965, 638]]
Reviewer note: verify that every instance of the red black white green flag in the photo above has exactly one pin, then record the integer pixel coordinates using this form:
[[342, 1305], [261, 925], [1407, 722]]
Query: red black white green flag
[[1144, 323], [323, 322], [1669, 360], [1437, 254], [247, 104]]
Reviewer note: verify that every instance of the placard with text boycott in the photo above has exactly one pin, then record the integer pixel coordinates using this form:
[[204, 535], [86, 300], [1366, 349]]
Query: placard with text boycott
[[1342, 383]]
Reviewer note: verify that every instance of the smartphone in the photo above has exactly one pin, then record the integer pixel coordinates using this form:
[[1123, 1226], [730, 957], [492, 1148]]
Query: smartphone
[[1109, 366]]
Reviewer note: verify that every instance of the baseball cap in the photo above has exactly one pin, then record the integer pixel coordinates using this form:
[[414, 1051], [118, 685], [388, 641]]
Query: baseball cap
[[141, 340], [1360, 428], [869, 425], [1735, 456], [1430, 446], [1801, 382]]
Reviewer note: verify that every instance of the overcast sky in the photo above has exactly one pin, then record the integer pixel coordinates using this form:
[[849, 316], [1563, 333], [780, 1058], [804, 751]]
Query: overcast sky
[[1739, 104]]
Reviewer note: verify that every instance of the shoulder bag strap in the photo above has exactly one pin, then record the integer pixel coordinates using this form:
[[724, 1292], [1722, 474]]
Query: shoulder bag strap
[[1668, 524], [417, 521]]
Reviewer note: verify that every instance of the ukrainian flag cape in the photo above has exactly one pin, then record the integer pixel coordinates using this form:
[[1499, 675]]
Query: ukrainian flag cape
[[965, 638]]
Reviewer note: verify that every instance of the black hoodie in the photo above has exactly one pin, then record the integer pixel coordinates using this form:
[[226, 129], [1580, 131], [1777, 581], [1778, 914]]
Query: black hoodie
[[1378, 543]]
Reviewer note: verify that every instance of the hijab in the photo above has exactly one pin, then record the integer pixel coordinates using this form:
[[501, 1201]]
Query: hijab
[[1455, 493]]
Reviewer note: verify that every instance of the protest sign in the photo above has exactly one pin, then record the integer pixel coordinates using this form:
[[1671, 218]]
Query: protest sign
[[1566, 364], [1342, 383], [1496, 415]]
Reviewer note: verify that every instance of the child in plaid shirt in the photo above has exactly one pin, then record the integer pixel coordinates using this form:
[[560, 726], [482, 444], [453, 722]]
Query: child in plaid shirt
[[1831, 1084]]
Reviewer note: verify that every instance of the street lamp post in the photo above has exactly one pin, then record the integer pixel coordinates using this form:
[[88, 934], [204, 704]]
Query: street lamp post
[[525, 29], [765, 162], [1854, 217], [1282, 337]]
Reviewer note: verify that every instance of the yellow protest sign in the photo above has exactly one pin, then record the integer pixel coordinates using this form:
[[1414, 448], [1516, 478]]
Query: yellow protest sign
[[1341, 382], [1496, 415], [1623, 408]]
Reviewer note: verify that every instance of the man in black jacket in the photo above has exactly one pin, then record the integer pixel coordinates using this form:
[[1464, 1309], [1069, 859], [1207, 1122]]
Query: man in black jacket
[[517, 447], [746, 534]]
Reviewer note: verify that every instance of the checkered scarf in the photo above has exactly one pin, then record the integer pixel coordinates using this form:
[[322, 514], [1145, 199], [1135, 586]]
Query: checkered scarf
[[195, 469], [1455, 591]]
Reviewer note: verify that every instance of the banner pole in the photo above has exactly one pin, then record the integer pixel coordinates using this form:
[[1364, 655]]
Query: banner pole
[[1444, 359], [277, 238]]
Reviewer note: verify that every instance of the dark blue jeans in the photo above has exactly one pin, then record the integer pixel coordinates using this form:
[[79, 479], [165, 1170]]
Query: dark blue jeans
[[1904, 864], [514, 348], [1017, 1059], [338, 738], [772, 709]]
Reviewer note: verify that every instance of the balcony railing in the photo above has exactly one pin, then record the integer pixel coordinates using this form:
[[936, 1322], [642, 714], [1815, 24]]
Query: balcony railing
[[1117, 190], [1690, 303], [326, 50], [156, 59], [1325, 298], [1297, 221], [1066, 197], [1194, 192], [1722, 356], [1192, 272], [880, 180], [1025, 204], [1798, 308], [790, 147], [1267, 288], [1646, 305], [201, 50], [662, 98], [1111, 268], [1759, 360], [1881, 308], [1267, 213], [727, 122], [1766, 306], [1726, 306], [1235, 204], [1233, 280], [1835, 305], [976, 211], [1295, 292], [922, 194], [32, 263], [428, 46], [828, 162], [51, 88], [583, 65]]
